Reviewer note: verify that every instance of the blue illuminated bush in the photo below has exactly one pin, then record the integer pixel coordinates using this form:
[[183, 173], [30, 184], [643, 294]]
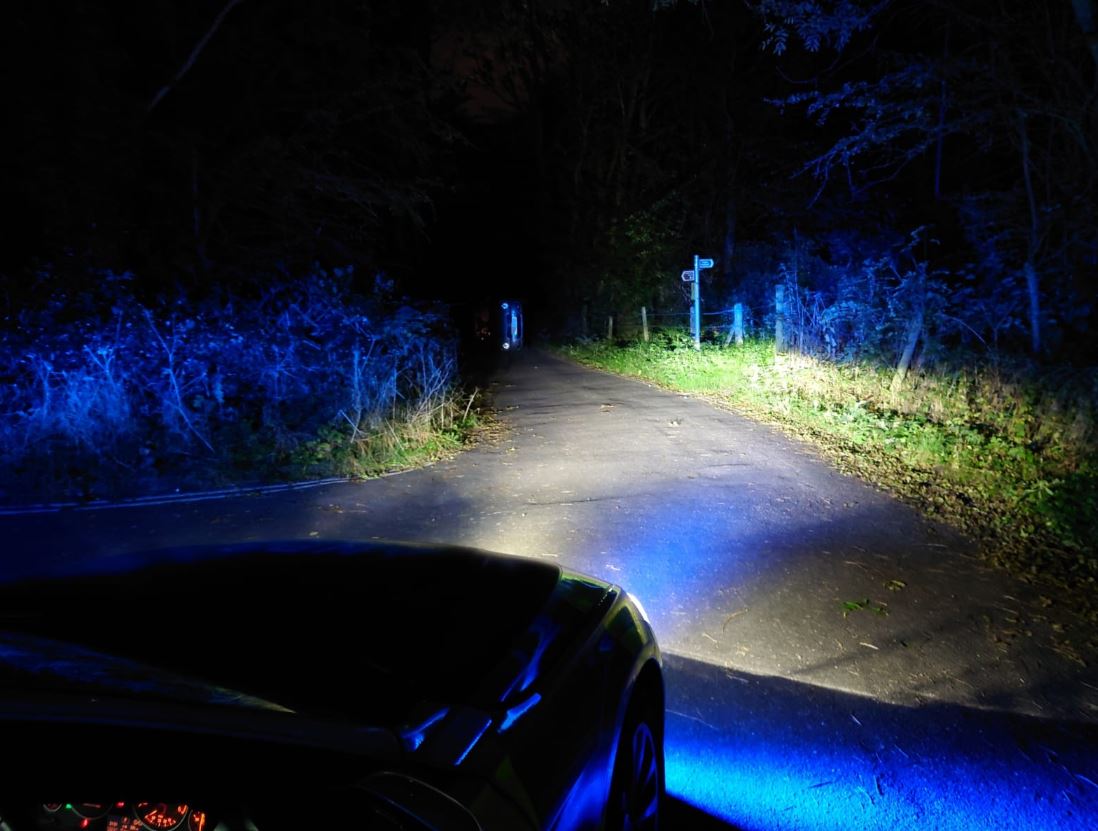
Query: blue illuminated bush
[[853, 297], [104, 392]]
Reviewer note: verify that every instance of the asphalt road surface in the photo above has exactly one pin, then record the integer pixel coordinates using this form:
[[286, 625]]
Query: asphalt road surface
[[835, 660]]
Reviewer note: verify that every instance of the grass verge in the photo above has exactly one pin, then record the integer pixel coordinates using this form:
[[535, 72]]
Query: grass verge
[[408, 437], [431, 430], [1008, 457]]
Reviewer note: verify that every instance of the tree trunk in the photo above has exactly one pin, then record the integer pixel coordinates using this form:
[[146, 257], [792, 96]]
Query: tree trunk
[[1086, 13], [940, 138], [1030, 268], [779, 318], [728, 250], [1033, 289], [196, 216]]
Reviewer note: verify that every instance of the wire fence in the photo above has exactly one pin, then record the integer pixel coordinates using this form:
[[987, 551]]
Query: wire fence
[[730, 324]]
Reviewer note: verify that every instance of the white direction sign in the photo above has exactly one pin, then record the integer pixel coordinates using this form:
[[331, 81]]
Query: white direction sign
[[688, 276], [706, 263]]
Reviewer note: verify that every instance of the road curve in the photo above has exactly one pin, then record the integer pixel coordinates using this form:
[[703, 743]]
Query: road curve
[[749, 551]]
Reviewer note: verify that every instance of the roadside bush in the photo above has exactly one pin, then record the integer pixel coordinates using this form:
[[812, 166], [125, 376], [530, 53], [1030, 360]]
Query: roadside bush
[[105, 394], [853, 296]]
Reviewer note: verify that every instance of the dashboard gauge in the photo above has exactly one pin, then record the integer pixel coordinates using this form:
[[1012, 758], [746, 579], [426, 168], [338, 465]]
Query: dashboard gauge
[[52, 807], [196, 821], [88, 810], [159, 816]]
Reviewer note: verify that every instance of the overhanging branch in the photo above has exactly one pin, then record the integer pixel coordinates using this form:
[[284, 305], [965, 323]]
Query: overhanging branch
[[191, 58]]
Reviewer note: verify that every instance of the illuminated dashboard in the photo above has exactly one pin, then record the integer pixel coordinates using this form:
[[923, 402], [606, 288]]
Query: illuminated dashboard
[[121, 816]]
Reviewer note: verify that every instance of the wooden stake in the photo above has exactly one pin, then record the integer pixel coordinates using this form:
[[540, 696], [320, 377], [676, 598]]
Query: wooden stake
[[779, 315]]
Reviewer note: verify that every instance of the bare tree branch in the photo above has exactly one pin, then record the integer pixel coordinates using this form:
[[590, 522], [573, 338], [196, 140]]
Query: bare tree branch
[[191, 58]]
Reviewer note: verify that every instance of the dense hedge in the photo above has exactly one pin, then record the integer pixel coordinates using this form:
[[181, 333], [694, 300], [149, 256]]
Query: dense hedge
[[104, 393]]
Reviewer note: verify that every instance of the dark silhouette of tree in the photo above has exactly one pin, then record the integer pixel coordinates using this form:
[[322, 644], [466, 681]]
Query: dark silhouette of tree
[[999, 96], [172, 138]]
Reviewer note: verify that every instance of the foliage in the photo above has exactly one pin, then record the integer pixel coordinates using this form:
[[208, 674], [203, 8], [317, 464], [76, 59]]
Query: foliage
[[984, 108], [891, 121], [966, 121], [105, 393], [817, 24], [1005, 452], [635, 257], [853, 295]]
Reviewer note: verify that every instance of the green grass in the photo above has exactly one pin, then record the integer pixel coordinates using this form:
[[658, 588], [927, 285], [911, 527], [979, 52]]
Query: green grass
[[1007, 457], [412, 437], [409, 436]]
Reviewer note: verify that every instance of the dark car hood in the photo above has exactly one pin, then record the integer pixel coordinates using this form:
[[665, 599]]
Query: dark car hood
[[376, 634]]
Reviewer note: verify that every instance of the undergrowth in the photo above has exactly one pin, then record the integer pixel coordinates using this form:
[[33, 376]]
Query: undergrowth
[[1005, 453], [105, 394]]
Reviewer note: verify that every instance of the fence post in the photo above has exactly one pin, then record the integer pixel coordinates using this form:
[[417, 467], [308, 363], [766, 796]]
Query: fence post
[[737, 323], [644, 322], [610, 327], [695, 288], [779, 316], [911, 340]]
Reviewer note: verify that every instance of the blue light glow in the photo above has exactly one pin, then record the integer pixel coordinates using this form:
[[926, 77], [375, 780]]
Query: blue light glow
[[545, 631], [765, 753], [472, 743], [671, 564], [414, 736], [786, 755], [513, 715]]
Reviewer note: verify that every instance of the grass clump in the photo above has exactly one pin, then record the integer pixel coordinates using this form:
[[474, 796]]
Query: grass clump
[[1005, 454], [432, 429]]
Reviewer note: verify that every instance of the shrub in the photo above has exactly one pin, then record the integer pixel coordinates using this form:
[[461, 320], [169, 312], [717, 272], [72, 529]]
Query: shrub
[[133, 392]]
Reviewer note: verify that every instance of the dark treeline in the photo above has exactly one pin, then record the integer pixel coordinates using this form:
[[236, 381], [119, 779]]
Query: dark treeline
[[201, 141], [574, 152], [928, 162]]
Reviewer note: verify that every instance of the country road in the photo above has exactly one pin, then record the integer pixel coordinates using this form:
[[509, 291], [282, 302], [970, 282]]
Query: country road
[[834, 659]]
